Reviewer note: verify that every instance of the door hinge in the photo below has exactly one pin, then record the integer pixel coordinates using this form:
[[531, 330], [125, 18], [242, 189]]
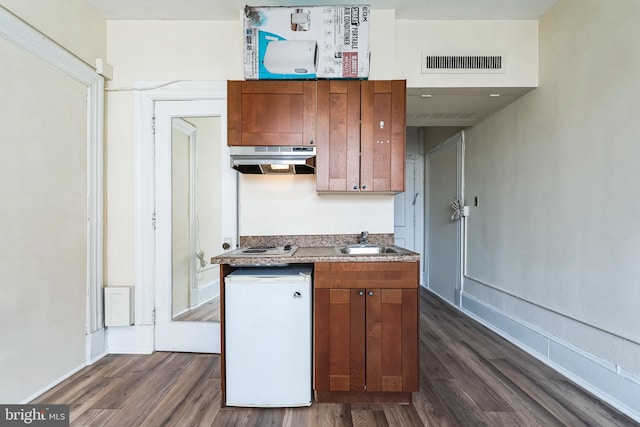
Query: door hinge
[[153, 316], [153, 221], [153, 124]]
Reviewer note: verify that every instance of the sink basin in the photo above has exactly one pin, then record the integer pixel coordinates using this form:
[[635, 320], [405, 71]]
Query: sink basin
[[366, 250]]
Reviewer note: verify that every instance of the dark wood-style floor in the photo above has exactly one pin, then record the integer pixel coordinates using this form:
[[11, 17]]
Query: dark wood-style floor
[[469, 377], [207, 312]]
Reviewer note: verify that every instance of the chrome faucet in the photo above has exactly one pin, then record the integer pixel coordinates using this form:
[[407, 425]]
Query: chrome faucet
[[364, 238]]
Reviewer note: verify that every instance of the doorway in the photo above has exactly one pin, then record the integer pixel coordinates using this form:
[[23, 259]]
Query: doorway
[[142, 337]]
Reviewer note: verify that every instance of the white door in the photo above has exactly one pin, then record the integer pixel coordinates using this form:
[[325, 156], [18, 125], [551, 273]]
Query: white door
[[195, 202], [444, 239]]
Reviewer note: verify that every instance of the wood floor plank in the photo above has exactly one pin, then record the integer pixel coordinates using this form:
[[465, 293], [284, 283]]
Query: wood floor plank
[[464, 409], [172, 409], [479, 391], [529, 410], [505, 419], [402, 415], [245, 417], [204, 405], [430, 407], [334, 415], [151, 390], [599, 413], [305, 416], [94, 417], [538, 392]]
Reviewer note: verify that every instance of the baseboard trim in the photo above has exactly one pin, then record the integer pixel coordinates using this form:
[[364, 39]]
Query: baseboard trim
[[52, 384], [206, 292], [613, 384], [96, 346], [137, 339]]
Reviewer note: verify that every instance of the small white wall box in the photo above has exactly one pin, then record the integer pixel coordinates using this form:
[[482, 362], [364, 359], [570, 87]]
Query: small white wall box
[[118, 306], [309, 42]]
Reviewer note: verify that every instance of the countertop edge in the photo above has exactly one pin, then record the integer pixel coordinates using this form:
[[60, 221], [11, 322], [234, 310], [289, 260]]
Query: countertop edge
[[324, 254]]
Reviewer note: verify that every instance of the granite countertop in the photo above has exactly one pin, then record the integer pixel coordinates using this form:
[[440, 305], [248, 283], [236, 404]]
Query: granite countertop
[[317, 248]]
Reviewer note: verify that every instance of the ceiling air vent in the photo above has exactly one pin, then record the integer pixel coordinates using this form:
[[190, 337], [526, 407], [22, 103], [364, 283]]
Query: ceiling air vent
[[479, 64]]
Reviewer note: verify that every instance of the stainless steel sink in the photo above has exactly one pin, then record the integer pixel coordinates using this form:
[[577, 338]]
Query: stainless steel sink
[[367, 250]]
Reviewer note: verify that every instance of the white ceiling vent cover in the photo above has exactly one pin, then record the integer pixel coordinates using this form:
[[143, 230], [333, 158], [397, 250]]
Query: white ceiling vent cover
[[462, 63]]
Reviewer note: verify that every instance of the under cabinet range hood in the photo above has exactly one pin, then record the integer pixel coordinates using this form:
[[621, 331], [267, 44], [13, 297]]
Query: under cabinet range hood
[[278, 160]]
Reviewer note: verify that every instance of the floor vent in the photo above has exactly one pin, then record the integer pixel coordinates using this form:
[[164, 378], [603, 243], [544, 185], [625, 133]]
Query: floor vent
[[435, 64]]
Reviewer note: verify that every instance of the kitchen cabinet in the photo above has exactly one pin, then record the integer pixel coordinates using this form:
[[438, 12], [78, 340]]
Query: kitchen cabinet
[[366, 331], [266, 112], [361, 136]]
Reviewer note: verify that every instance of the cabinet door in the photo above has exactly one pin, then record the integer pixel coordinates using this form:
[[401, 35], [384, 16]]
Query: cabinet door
[[338, 152], [271, 112], [383, 130], [339, 323], [392, 339]]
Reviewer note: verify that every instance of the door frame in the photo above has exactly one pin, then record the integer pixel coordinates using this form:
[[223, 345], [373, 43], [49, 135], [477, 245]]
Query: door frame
[[415, 155], [141, 338], [190, 131], [458, 140]]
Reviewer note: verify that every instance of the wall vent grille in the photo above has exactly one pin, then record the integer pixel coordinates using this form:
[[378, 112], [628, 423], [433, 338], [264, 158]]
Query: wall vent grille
[[435, 64]]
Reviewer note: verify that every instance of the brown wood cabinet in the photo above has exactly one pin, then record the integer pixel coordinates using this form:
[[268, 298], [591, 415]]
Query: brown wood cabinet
[[361, 136], [265, 112], [366, 331]]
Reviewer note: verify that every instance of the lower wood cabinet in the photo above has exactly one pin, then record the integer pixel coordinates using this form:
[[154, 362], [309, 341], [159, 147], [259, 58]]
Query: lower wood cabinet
[[366, 331]]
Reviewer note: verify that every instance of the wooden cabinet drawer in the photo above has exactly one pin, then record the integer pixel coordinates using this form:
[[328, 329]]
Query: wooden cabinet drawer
[[382, 275]]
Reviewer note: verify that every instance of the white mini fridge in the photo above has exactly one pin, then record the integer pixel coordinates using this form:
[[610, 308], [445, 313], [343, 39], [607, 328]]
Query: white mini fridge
[[268, 336]]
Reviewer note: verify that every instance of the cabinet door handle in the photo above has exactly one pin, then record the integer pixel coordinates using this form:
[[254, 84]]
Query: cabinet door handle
[[355, 187], [297, 295], [311, 141], [370, 293], [360, 293], [364, 187]]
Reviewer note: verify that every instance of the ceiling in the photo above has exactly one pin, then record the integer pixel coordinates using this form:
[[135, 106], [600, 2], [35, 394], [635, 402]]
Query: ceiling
[[405, 9], [425, 107]]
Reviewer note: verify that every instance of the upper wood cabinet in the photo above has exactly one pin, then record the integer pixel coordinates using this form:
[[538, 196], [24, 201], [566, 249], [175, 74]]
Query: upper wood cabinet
[[338, 152], [265, 112], [361, 136]]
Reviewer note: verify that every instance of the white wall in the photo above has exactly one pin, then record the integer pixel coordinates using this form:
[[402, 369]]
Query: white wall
[[557, 176], [43, 182], [517, 41], [74, 24]]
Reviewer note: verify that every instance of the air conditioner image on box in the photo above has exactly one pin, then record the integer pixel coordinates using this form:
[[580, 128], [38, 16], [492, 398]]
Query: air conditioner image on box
[[291, 57]]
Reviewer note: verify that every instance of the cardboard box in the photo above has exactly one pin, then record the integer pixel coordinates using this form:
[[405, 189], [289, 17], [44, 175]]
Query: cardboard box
[[306, 42]]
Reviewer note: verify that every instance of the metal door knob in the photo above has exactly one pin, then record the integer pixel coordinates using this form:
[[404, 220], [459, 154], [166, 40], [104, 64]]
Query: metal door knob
[[370, 293], [226, 246]]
